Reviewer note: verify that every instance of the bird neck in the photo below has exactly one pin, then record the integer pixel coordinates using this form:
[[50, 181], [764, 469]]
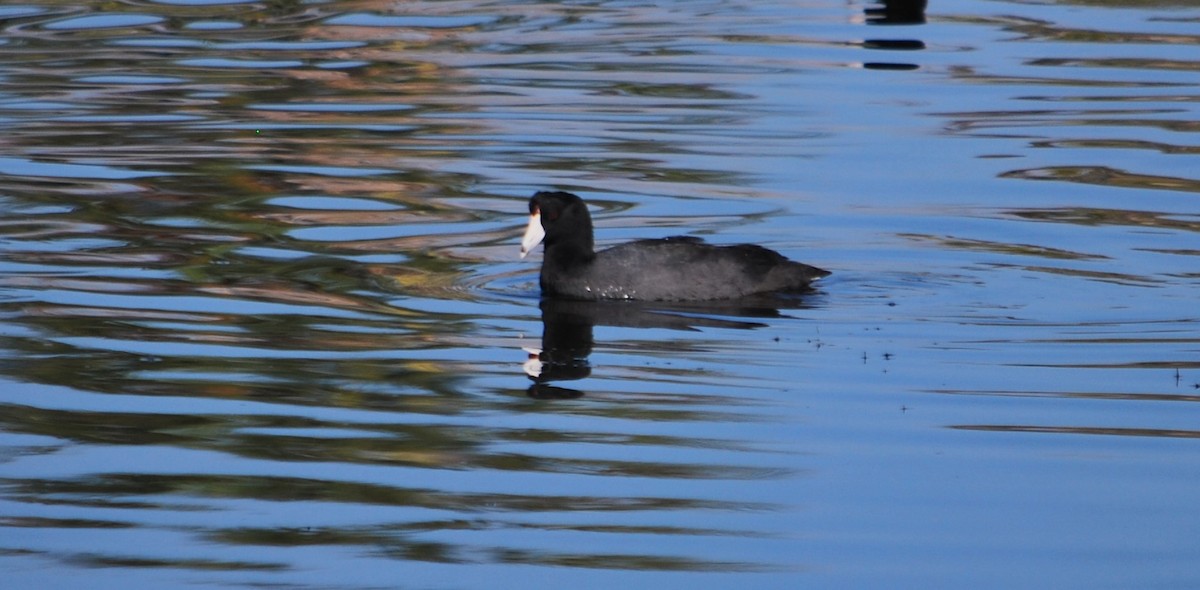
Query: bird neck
[[569, 252]]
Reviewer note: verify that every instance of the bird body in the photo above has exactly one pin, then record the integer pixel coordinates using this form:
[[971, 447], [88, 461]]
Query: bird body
[[670, 269]]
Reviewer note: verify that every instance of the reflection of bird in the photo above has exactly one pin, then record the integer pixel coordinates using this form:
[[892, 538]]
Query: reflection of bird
[[669, 269], [567, 327]]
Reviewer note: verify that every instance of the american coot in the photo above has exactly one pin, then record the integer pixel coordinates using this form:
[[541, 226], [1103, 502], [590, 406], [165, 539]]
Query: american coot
[[669, 269]]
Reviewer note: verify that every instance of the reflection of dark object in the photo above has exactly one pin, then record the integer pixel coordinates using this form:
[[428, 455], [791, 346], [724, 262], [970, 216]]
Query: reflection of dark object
[[567, 327], [894, 44], [566, 344], [547, 391], [884, 65], [897, 12], [670, 269]]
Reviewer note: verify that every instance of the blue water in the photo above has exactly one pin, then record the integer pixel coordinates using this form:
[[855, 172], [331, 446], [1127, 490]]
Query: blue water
[[263, 320]]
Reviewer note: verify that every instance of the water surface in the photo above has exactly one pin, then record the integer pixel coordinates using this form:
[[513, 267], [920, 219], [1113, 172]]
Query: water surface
[[263, 323]]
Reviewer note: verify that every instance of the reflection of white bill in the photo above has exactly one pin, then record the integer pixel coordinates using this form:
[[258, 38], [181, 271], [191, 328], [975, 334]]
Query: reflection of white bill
[[533, 366]]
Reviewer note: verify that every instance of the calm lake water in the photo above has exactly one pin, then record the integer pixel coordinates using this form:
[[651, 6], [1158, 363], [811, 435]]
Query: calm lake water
[[263, 321]]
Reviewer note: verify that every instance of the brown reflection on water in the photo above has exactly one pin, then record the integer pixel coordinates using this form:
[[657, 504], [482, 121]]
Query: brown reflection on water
[[1102, 175], [100, 560], [1134, 144], [1127, 396], [397, 542], [1089, 216], [436, 446], [1147, 432], [400, 539], [1017, 249], [1126, 279]]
